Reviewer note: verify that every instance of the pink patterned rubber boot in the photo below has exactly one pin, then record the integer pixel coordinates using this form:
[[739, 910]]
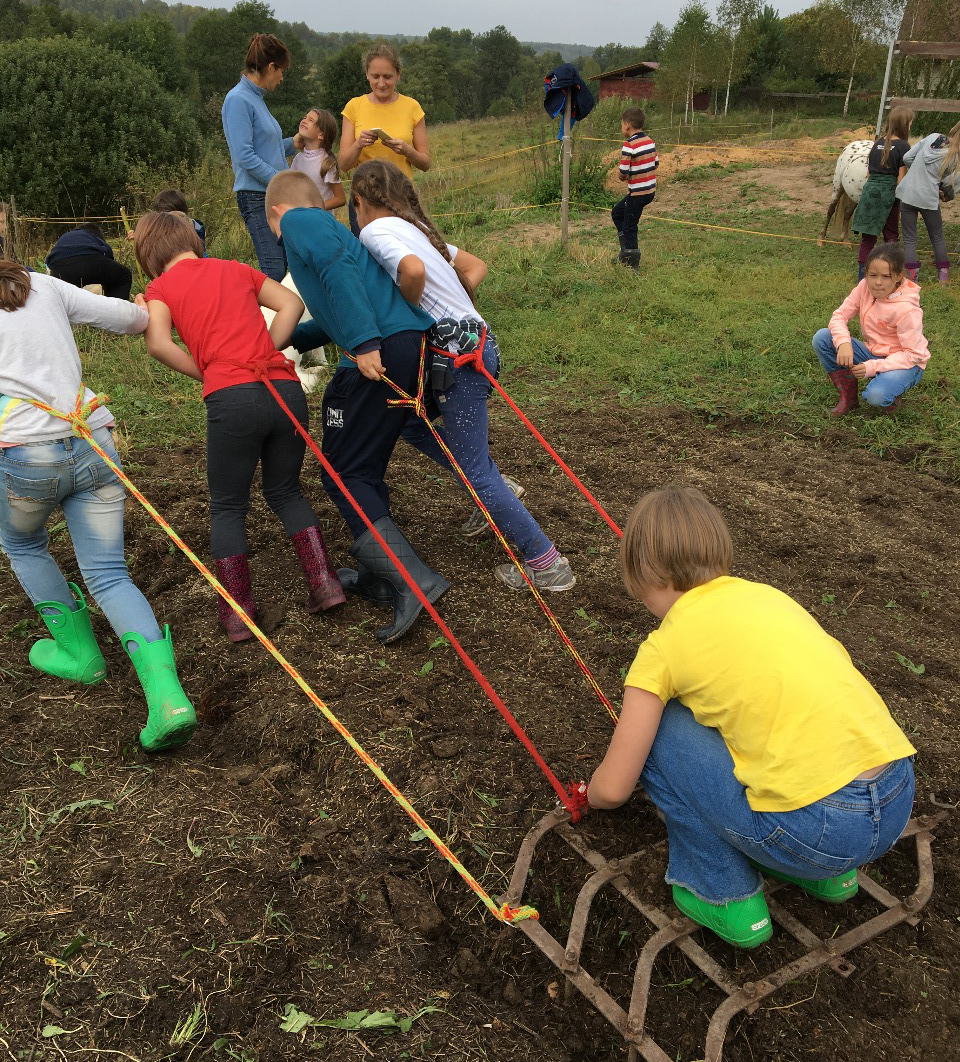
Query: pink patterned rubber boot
[[912, 269], [322, 582], [846, 384], [943, 272], [234, 573]]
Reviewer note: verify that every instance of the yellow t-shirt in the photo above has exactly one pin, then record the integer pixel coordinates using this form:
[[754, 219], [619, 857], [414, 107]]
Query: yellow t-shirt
[[396, 119], [798, 718]]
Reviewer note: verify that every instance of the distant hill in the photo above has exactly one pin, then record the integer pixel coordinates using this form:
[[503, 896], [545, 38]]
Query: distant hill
[[570, 52], [322, 44]]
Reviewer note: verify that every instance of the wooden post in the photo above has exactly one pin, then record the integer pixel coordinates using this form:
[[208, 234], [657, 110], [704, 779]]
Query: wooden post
[[565, 187], [886, 85]]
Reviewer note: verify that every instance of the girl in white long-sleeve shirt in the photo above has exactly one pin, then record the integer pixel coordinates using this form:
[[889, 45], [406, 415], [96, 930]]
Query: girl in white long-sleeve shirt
[[44, 465]]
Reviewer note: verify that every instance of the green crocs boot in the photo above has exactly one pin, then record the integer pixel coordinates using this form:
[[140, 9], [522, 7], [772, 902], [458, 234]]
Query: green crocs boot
[[830, 890], [171, 719], [743, 923], [73, 653]]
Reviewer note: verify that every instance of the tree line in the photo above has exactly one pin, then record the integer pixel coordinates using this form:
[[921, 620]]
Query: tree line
[[99, 73]]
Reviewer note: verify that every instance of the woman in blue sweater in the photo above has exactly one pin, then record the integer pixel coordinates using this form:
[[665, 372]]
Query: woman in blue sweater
[[258, 148]]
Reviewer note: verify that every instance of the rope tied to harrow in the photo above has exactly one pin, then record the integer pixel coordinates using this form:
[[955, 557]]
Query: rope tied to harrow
[[78, 421], [417, 404]]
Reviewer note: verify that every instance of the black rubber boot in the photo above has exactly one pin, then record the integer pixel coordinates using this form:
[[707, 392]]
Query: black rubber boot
[[363, 582], [630, 258], [406, 605], [618, 258]]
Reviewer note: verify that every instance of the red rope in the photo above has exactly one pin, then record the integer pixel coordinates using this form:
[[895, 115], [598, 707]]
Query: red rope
[[492, 695], [474, 358]]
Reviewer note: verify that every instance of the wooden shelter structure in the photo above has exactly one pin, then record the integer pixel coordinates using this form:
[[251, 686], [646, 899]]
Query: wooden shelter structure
[[632, 82], [925, 19]]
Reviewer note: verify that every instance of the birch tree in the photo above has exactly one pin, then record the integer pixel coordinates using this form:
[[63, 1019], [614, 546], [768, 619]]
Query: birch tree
[[868, 22], [732, 17]]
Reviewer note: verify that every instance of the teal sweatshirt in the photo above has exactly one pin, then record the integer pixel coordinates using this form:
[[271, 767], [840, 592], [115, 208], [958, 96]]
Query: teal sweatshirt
[[353, 302]]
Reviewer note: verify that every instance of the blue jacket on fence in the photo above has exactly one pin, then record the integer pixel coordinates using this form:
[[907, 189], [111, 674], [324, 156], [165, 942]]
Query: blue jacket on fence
[[566, 78], [258, 148], [352, 300]]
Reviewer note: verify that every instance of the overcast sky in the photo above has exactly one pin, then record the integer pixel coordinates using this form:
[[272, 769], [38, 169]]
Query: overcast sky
[[590, 22]]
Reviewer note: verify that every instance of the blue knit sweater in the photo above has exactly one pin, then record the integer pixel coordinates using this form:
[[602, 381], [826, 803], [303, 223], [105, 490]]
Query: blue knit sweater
[[353, 302], [258, 148]]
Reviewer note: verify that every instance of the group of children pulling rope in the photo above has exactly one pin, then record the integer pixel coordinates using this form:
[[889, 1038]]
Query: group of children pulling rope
[[749, 727]]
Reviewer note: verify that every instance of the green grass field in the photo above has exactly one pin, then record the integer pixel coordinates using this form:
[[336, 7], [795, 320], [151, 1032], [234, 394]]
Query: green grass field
[[715, 321]]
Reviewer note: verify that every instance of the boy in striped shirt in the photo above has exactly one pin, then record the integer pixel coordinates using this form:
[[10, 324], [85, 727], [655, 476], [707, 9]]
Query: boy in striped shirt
[[638, 169]]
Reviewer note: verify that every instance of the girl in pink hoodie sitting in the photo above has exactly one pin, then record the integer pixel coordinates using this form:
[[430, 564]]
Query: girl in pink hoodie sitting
[[893, 353]]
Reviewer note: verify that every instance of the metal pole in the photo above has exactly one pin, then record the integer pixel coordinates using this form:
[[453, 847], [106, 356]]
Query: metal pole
[[565, 189], [886, 83]]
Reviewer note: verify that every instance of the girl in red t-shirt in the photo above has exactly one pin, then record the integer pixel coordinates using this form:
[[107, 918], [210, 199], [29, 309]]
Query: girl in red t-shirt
[[215, 307]]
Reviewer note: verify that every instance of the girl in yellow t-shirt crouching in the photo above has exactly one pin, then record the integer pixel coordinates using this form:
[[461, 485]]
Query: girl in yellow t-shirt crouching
[[749, 727]]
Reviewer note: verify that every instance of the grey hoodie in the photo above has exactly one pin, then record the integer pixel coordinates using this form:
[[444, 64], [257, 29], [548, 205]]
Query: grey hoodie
[[920, 188]]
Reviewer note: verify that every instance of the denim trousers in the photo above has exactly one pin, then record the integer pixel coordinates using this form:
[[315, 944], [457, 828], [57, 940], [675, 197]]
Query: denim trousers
[[271, 256], [884, 388], [36, 478], [465, 430], [713, 833], [246, 427]]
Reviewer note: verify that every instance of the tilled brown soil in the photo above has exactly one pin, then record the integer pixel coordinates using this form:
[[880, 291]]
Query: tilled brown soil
[[263, 865]]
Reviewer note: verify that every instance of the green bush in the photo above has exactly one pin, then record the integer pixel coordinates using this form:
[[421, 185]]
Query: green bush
[[77, 119]]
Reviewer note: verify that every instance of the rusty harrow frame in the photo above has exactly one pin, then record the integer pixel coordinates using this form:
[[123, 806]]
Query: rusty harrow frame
[[673, 930]]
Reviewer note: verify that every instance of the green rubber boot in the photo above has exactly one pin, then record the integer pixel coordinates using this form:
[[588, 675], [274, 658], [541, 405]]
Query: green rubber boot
[[830, 890], [73, 653], [171, 719], [743, 923]]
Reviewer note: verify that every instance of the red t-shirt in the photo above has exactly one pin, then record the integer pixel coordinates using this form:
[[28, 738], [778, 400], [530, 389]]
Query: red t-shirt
[[213, 303]]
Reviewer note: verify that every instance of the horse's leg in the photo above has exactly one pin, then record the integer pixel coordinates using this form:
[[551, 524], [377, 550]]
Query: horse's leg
[[830, 212]]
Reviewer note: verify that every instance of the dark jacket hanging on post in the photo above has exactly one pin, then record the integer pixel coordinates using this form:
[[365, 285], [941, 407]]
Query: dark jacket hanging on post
[[566, 78]]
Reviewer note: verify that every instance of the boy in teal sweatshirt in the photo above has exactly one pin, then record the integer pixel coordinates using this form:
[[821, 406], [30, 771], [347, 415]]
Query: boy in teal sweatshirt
[[356, 305]]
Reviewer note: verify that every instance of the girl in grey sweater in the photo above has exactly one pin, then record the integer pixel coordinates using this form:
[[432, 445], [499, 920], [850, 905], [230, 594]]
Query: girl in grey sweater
[[933, 177]]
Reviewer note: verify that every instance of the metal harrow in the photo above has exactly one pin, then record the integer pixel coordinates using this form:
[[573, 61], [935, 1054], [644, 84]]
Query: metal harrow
[[670, 930]]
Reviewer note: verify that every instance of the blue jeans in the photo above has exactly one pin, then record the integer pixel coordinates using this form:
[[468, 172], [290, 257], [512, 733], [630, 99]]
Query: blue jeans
[[713, 832], [466, 431], [271, 256], [37, 477], [885, 387]]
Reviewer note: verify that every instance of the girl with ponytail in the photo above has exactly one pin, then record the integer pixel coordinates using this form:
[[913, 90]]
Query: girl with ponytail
[[441, 279]]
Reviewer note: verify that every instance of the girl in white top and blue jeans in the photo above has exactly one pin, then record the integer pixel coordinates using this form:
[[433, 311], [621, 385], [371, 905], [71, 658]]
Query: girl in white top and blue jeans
[[44, 465], [432, 274]]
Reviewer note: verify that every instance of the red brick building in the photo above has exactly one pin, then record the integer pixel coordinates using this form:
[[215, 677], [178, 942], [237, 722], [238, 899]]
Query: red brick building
[[632, 82]]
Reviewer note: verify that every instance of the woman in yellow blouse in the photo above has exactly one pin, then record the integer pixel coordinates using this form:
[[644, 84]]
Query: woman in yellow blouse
[[385, 110]]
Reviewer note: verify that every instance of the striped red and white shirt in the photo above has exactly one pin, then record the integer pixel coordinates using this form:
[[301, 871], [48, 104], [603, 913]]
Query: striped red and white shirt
[[638, 163]]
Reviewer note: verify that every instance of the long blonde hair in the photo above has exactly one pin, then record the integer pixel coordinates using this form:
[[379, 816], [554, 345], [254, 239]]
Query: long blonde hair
[[898, 125], [951, 161]]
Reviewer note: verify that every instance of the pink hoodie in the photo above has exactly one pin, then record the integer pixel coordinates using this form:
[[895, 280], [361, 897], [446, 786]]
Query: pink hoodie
[[892, 327]]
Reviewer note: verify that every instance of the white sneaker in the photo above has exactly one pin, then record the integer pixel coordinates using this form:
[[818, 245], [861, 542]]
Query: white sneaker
[[557, 577], [477, 524]]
